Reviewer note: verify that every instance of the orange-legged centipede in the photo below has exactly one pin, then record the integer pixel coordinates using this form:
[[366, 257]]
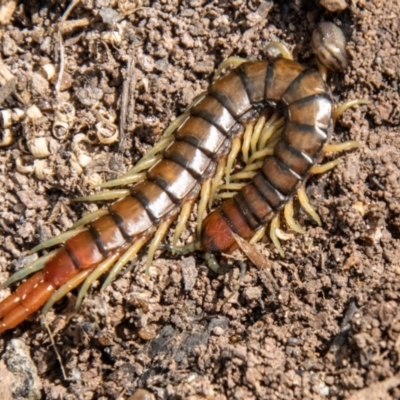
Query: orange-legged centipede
[[201, 140]]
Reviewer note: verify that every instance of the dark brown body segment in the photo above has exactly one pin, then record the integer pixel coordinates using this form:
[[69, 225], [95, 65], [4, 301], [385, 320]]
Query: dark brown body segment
[[308, 109]]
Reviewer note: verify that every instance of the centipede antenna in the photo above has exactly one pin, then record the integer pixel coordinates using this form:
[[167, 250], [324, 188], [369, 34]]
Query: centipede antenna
[[288, 212], [95, 274], [204, 197], [56, 240], [129, 255], [89, 217], [103, 196], [216, 181], [235, 148], [348, 104], [64, 289], [345, 146], [126, 180], [305, 203], [257, 132], [275, 224], [28, 270], [248, 133], [157, 238], [182, 220], [321, 169]]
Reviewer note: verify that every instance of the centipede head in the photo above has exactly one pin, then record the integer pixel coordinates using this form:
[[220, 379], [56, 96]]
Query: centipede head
[[329, 45]]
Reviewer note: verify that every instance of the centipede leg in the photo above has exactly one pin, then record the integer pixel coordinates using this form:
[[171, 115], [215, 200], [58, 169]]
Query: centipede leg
[[270, 127], [230, 62], [236, 145], [345, 146], [204, 198], [216, 181], [258, 235], [103, 196], [346, 105], [248, 133], [282, 49], [65, 289], [91, 216], [231, 186], [321, 169], [182, 220], [95, 274], [263, 135], [128, 179], [128, 256], [257, 132], [275, 224], [28, 270], [56, 240], [305, 203], [158, 236], [288, 213], [259, 155]]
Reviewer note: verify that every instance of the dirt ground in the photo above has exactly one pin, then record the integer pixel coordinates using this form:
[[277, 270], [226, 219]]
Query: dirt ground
[[323, 322]]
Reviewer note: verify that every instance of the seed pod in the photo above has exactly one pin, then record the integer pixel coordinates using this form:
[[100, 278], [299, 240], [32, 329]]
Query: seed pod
[[329, 45]]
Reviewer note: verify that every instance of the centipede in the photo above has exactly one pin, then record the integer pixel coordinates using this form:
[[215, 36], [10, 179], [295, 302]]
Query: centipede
[[187, 165]]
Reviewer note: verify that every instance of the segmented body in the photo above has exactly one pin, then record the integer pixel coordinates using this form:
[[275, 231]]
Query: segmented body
[[200, 141], [308, 119]]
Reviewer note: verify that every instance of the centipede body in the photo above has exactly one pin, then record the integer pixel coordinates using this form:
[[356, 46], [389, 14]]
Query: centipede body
[[202, 139]]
